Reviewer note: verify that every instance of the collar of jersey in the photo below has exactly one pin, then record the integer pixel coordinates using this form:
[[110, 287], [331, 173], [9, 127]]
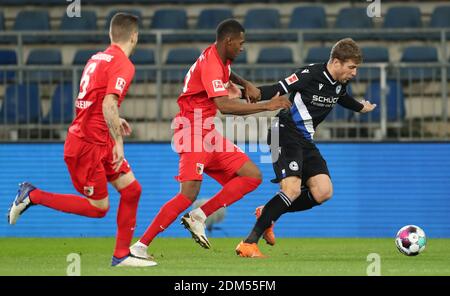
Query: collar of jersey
[[117, 47], [328, 74]]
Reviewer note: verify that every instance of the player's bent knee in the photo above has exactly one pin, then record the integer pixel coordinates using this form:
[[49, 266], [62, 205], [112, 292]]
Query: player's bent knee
[[100, 213], [252, 182], [191, 189], [131, 192], [292, 192], [321, 195], [101, 206], [291, 186]]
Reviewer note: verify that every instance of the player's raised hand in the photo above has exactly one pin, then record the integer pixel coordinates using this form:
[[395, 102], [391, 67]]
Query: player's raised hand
[[278, 102], [118, 155], [125, 127], [367, 106], [251, 93]]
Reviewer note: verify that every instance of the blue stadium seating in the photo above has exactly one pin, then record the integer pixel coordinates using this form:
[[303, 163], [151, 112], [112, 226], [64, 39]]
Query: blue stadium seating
[[27, 20], [44, 57], [7, 57], [395, 102], [208, 20], [318, 55], [440, 19], [83, 55], [61, 106], [398, 17], [372, 54], [171, 19], [145, 57], [353, 18], [180, 57], [307, 17], [260, 19], [274, 55], [87, 22], [419, 54], [21, 104]]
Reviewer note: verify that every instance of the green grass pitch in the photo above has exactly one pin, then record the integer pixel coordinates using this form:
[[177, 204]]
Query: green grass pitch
[[181, 256]]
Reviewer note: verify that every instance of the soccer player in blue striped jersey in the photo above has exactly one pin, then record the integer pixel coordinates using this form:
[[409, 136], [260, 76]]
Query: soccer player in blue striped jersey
[[314, 91]]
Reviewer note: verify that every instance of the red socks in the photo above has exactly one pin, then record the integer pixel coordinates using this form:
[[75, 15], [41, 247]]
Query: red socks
[[233, 191], [167, 214], [68, 203], [126, 218]]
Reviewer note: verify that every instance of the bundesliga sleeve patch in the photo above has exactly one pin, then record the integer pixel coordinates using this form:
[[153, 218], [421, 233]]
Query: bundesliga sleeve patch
[[291, 79], [218, 85], [120, 84]]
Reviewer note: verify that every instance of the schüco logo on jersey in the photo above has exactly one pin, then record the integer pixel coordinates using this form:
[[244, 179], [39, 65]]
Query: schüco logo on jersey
[[327, 100]]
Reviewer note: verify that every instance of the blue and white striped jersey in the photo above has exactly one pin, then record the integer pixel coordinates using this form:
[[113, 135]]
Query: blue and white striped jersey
[[313, 93]]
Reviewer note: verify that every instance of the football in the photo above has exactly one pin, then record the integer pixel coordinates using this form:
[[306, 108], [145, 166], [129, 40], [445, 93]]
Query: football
[[411, 240]]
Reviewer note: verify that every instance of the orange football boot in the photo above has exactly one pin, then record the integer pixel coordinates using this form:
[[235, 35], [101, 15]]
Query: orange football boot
[[249, 250], [268, 235]]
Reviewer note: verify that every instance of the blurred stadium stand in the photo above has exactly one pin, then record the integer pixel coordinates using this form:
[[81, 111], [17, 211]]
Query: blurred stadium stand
[[40, 44]]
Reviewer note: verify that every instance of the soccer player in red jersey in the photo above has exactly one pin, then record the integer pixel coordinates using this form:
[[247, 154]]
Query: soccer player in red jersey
[[93, 150], [208, 86]]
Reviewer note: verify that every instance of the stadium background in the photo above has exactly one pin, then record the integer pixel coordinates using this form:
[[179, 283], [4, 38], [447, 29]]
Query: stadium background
[[389, 168]]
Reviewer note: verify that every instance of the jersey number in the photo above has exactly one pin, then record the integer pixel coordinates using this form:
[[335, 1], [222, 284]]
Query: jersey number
[[85, 80], [188, 77]]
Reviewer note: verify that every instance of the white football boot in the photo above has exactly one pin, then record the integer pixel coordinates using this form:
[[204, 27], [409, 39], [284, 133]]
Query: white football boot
[[21, 203], [197, 229], [132, 261], [140, 250]]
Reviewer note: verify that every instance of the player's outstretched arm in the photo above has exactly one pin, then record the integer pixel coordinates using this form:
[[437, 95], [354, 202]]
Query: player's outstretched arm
[[234, 106], [112, 119]]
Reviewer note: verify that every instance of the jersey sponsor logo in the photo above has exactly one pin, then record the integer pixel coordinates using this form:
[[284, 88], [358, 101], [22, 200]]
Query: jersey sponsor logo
[[293, 166], [200, 167], [88, 190], [218, 85], [82, 104], [120, 84], [338, 88], [291, 79], [103, 57], [320, 86], [327, 100]]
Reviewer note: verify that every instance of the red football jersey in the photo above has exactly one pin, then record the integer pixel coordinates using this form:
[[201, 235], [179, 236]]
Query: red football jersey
[[207, 78], [107, 72]]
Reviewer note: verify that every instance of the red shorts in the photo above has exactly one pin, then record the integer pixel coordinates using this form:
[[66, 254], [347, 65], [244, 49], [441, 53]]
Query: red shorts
[[90, 166], [220, 164]]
